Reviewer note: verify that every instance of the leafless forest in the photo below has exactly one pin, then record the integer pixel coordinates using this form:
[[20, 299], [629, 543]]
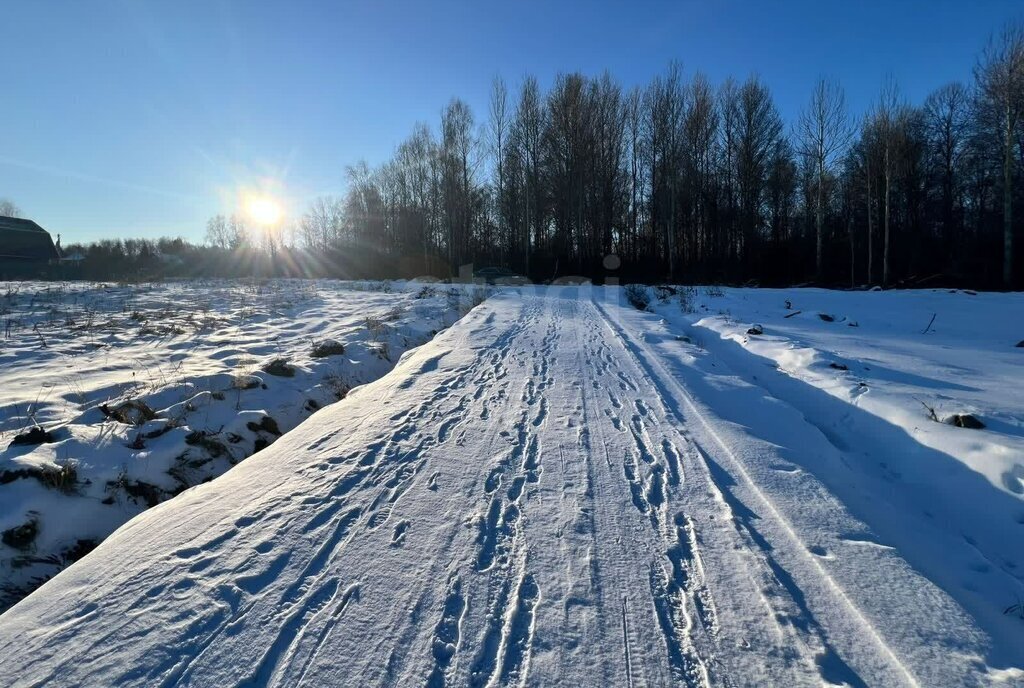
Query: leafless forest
[[682, 179]]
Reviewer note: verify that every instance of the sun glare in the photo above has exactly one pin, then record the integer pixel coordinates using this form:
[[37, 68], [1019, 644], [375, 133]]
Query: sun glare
[[263, 210]]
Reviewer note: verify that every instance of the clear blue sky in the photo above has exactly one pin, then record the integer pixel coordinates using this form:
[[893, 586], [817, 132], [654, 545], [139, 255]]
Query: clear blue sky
[[134, 118]]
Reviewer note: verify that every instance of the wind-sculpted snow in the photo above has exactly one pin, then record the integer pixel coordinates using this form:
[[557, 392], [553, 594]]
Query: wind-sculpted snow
[[558, 490]]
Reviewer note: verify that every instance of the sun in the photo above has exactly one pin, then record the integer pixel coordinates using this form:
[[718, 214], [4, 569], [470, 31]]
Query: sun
[[263, 210]]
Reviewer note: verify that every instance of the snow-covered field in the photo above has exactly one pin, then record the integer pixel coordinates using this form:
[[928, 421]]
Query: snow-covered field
[[883, 382], [564, 490], [146, 390]]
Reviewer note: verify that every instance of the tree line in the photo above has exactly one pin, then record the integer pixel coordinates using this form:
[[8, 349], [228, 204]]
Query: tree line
[[680, 180], [686, 180]]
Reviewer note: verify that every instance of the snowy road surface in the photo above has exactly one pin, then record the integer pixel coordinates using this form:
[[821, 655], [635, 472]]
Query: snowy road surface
[[545, 494]]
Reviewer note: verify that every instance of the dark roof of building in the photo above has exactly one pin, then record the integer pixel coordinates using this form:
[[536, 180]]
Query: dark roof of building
[[25, 240]]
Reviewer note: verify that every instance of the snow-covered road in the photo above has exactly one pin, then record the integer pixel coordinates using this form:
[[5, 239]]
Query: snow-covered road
[[545, 494]]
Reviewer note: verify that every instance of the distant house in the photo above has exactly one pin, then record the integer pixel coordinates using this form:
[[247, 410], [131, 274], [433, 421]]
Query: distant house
[[26, 249]]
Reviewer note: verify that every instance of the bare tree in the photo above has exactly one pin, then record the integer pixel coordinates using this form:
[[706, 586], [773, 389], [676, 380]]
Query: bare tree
[[729, 115], [867, 157], [758, 130], [1000, 76], [701, 130], [683, 178], [634, 127], [666, 108], [528, 129], [823, 133], [499, 126], [8, 208], [888, 123], [364, 212], [946, 118], [567, 151], [320, 227], [217, 232], [457, 144]]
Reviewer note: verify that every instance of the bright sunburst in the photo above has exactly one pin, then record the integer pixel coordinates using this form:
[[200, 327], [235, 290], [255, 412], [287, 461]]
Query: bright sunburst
[[263, 210]]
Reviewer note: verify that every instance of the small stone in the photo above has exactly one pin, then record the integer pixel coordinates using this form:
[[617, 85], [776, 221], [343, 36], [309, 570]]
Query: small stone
[[266, 424], [279, 367], [965, 420], [129, 412], [21, 537], [31, 437], [246, 382], [327, 347]]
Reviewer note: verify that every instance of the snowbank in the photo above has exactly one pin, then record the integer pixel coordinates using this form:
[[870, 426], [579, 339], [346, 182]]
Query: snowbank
[[139, 392], [888, 381]]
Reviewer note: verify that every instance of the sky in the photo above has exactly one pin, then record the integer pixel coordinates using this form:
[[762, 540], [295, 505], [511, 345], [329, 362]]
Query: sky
[[130, 118]]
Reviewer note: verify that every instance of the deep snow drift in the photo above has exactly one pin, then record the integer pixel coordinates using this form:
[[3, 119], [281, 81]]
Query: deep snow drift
[[564, 490], [146, 390]]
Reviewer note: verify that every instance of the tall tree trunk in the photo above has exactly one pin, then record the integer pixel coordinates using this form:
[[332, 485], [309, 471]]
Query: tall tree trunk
[[526, 239], [871, 233], [1008, 203], [885, 237], [818, 219], [853, 254]]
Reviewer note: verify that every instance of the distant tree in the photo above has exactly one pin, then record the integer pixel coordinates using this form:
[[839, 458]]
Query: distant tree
[[364, 208], [528, 134], [567, 149], [457, 148], [758, 132], [8, 208], [947, 114], [700, 131], [823, 132], [499, 126], [729, 114], [238, 233], [664, 137], [320, 227], [1000, 77], [217, 233], [864, 164], [888, 123], [682, 179], [634, 134], [606, 188]]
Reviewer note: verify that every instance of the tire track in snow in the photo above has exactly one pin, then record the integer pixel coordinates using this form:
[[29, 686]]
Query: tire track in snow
[[620, 588], [812, 634], [625, 643], [696, 602], [670, 590]]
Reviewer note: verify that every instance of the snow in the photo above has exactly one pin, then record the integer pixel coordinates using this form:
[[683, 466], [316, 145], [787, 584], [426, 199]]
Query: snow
[[196, 354], [948, 498], [563, 489]]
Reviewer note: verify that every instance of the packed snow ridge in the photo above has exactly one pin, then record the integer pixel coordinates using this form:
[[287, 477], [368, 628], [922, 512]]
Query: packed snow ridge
[[596, 486]]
